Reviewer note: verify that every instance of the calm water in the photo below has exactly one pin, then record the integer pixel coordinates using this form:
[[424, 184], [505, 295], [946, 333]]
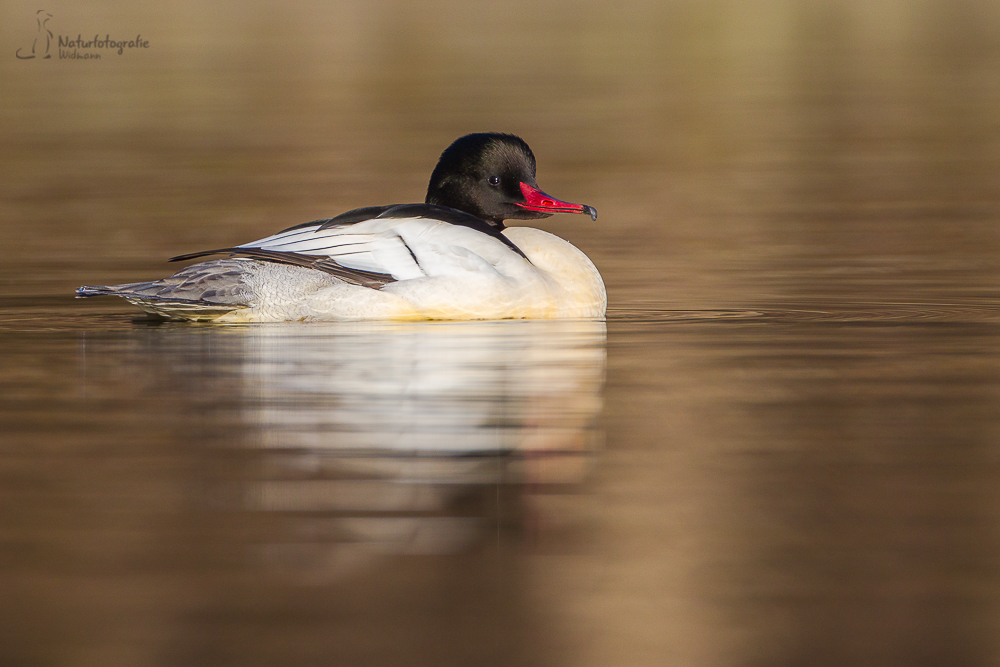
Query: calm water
[[782, 448]]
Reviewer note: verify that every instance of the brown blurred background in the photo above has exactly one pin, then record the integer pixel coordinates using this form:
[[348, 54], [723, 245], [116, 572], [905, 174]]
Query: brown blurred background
[[803, 472], [736, 151]]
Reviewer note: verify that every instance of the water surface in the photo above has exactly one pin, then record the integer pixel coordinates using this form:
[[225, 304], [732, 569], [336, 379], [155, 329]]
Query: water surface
[[780, 449]]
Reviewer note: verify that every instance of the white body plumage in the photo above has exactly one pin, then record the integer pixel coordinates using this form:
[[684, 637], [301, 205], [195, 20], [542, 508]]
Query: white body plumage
[[441, 271]]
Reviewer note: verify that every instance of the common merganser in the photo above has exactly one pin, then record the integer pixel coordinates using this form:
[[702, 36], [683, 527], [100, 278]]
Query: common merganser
[[449, 258]]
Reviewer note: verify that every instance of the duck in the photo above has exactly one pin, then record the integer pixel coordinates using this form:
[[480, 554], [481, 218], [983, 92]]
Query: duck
[[449, 258]]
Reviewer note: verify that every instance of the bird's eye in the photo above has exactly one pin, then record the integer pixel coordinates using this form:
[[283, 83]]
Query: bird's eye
[[494, 180]]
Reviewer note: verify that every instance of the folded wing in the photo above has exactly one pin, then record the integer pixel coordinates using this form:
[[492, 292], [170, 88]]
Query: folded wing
[[374, 246]]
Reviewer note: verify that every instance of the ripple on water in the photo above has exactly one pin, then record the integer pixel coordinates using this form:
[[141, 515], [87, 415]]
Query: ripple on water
[[63, 313], [852, 313]]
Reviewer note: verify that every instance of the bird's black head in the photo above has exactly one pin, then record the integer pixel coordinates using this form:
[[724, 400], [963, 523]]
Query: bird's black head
[[492, 176]]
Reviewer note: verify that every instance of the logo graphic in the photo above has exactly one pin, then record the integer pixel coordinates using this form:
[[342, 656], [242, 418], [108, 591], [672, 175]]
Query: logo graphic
[[43, 40], [76, 48]]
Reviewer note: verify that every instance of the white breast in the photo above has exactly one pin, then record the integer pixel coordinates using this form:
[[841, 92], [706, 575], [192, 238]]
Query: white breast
[[581, 291]]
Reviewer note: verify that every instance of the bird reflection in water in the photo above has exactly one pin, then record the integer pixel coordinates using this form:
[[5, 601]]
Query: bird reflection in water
[[383, 438]]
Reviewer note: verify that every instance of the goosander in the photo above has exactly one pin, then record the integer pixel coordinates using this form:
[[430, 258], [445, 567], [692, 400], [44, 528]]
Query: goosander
[[450, 258]]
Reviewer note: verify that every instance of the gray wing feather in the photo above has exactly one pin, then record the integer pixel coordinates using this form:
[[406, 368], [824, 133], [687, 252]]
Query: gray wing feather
[[200, 291], [371, 279], [217, 282]]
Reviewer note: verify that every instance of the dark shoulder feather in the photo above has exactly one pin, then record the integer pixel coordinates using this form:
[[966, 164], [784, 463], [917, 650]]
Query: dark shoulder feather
[[348, 218], [449, 215], [319, 263]]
